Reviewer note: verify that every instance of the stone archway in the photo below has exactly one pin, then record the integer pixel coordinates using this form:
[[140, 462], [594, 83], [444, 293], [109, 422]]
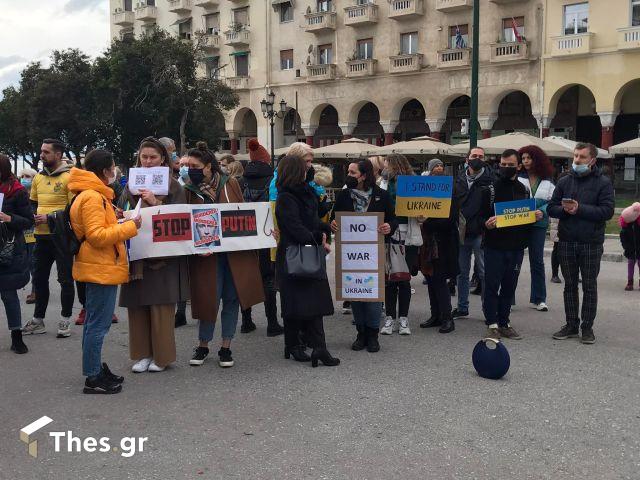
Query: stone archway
[[575, 115], [412, 122], [368, 126], [328, 131], [514, 114]]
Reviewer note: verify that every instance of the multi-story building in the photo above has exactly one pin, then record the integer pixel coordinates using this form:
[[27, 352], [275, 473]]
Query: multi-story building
[[382, 71]]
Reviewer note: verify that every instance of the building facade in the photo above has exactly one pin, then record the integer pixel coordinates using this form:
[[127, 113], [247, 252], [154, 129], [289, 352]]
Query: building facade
[[383, 71]]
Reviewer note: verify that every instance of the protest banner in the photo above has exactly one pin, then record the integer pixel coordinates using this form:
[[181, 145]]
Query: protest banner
[[173, 230], [359, 257], [517, 212], [154, 179], [418, 196]]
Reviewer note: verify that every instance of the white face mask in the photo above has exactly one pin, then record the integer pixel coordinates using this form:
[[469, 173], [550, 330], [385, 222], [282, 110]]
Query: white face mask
[[111, 179]]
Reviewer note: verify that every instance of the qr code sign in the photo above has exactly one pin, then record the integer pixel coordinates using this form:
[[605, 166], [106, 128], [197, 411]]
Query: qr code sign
[[156, 179], [140, 179]]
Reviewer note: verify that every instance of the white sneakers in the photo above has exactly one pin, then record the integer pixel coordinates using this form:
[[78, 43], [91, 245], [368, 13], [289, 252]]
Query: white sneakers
[[34, 327], [141, 365], [389, 326], [541, 307], [64, 328], [155, 368], [404, 326]]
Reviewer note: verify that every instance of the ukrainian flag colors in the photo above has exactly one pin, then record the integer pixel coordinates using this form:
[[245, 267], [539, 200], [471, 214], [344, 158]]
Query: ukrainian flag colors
[[418, 196], [518, 212]]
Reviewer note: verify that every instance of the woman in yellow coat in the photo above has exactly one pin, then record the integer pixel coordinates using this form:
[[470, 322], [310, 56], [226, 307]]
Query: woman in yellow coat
[[101, 262]]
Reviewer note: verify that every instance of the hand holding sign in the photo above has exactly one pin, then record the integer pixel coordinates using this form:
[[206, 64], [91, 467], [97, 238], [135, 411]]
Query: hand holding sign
[[517, 212]]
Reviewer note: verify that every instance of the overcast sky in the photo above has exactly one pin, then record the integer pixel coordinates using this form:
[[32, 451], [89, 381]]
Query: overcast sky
[[31, 29]]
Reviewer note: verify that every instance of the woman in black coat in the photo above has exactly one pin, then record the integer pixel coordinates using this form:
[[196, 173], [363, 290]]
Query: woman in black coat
[[303, 302], [363, 195], [15, 218]]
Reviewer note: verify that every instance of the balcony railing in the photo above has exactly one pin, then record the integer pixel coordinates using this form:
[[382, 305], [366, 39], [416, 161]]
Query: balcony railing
[[454, 58], [361, 68], [405, 8], [123, 18], [205, 3], [146, 13], [180, 6], [509, 52], [405, 63], [629, 38], [211, 41], [453, 5], [319, 73], [361, 14], [237, 37], [319, 21], [571, 45], [238, 83]]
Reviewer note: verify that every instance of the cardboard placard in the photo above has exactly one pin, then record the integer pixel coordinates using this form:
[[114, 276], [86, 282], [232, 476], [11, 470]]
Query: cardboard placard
[[517, 212], [419, 196], [359, 257]]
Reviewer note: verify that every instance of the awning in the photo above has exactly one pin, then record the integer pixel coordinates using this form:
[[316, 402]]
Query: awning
[[238, 54], [180, 21]]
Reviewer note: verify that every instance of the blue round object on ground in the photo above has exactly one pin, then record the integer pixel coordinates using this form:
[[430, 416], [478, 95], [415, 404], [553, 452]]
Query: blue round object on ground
[[491, 358]]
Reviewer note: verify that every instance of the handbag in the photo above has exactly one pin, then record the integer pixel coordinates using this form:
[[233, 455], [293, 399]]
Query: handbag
[[396, 268], [7, 246], [306, 262]]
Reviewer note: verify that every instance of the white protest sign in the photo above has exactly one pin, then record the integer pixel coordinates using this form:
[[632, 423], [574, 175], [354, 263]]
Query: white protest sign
[[358, 228], [361, 286], [154, 179], [360, 256], [174, 230]]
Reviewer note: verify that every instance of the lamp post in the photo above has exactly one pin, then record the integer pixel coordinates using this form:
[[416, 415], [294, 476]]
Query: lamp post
[[266, 105]]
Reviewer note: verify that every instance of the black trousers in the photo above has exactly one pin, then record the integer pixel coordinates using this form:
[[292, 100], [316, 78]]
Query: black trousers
[[439, 296], [555, 261], [46, 254], [397, 295], [311, 327], [267, 271], [81, 287]]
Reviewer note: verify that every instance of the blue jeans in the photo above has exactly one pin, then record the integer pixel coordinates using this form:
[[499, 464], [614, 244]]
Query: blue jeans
[[500, 280], [100, 304], [227, 295], [471, 245], [12, 308], [367, 314], [537, 237]]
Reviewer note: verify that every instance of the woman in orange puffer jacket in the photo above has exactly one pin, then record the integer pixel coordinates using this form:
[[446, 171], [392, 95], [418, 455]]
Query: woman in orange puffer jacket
[[101, 262]]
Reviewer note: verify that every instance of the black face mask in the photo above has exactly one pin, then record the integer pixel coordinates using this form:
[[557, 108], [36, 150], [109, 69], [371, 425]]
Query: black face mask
[[310, 174], [507, 173], [196, 176], [476, 164], [351, 182]]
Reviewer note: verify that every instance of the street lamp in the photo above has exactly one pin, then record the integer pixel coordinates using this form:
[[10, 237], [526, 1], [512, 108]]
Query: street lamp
[[266, 105]]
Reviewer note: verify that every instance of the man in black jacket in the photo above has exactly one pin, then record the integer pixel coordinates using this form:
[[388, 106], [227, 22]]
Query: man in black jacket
[[503, 248], [470, 183], [583, 201]]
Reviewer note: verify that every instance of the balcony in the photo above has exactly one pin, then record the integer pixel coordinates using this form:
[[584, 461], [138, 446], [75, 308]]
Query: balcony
[[506, 2], [360, 15], [571, 45], [205, 3], [629, 38], [211, 42], [361, 68], [180, 7], [509, 52], [321, 73], [453, 5], [405, 63], [320, 21], [238, 83], [237, 38], [399, 9], [146, 13], [123, 19], [454, 58]]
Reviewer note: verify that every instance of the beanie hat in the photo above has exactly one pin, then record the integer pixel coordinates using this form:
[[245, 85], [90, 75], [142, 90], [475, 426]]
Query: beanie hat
[[257, 153], [433, 163], [631, 213]]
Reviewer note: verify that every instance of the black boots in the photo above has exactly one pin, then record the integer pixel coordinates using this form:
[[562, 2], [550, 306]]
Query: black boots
[[325, 357], [372, 340], [447, 323], [361, 340], [273, 327], [297, 352], [180, 320], [434, 321], [247, 322], [17, 345]]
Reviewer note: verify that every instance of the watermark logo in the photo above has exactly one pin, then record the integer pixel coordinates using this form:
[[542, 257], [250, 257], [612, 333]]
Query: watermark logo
[[27, 432]]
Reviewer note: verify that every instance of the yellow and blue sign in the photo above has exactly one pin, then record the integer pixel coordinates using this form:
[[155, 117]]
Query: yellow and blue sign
[[419, 196], [517, 212]]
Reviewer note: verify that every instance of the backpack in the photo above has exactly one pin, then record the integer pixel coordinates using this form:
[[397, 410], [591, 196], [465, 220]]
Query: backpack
[[256, 194], [63, 236]]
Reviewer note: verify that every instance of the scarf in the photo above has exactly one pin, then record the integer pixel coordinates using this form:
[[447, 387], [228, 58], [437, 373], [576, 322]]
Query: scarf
[[10, 187], [473, 178], [360, 199]]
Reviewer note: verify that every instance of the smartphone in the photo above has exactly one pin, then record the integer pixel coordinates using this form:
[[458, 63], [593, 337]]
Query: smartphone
[[570, 200]]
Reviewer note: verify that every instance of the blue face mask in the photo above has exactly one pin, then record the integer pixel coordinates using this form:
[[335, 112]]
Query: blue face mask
[[580, 169], [174, 156], [26, 182], [184, 172]]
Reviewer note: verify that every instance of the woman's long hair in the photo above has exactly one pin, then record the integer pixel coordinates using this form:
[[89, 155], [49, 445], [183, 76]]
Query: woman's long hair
[[292, 171], [541, 166], [5, 168], [398, 165]]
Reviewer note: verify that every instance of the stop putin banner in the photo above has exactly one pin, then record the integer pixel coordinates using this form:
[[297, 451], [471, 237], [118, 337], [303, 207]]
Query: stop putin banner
[[174, 230]]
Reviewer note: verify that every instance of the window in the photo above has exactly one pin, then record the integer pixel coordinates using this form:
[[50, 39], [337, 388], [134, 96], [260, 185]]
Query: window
[[148, 28], [459, 36], [635, 13], [212, 24], [363, 2], [325, 54], [184, 30], [286, 12], [242, 65], [409, 43], [576, 18], [364, 49], [212, 65], [127, 5], [323, 6], [510, 26], [241, 16], [150, 3], [286, 59]]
